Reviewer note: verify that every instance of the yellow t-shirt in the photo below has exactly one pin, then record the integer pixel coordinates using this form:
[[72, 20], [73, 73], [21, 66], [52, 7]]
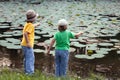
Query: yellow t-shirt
[[29, 27]]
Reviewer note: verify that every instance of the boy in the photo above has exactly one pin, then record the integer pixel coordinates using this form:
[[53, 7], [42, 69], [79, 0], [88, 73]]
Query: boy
[[28, 41], [62, 39]]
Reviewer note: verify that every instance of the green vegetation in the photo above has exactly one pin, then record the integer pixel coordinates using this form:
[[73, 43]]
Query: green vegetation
[[7, 74], [98, 19]]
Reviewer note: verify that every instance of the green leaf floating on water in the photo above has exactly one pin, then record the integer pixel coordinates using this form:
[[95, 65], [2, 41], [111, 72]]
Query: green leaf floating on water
[[0, 35], [98, 55], [10, 43], [17, 33], [92, 48], [79, 45], [118, 52], [12, 46], [4, 43], [72, 49], [74, 40], [4, 27], [41, 32], [39, 51], [12, 40], [83, 56], [52, 52], [105, 49], [6, 35], [37, 37], [105, 44], [114, 40], [101, 52], [47, 36]]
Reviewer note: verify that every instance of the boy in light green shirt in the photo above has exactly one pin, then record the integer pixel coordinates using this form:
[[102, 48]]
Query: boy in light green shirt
[[62, 39]]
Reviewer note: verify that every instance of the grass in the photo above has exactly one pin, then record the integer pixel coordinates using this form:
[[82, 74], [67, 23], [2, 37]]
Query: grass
[[7, 74]]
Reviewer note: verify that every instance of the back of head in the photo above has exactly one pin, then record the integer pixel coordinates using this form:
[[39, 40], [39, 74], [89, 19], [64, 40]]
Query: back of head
[[62, 25]]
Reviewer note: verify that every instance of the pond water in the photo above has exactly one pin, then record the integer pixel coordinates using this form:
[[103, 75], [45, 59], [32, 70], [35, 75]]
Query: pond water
[[97, 50]]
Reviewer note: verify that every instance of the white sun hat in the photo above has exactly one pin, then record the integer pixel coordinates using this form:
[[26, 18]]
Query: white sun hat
[[62, 22]]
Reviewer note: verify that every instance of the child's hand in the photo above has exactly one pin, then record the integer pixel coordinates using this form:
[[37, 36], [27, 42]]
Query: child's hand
[[28, 45], [80, 32], [48, 52], [37, 24]]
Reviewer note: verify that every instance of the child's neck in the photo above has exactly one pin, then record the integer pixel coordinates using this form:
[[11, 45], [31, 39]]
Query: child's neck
[[29, 22]]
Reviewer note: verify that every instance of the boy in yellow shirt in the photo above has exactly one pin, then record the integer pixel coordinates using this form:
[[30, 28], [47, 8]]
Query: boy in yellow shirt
[[28, 41]]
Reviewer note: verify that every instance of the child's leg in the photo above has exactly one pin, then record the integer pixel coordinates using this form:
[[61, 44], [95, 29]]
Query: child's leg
[[29, 60], [64, 62], [24, 49], [57, 63]]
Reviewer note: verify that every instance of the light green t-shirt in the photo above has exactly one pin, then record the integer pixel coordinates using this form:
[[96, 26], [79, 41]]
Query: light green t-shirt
[[63, 39]]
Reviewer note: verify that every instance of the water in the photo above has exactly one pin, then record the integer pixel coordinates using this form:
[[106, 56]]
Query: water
[[98, 24]]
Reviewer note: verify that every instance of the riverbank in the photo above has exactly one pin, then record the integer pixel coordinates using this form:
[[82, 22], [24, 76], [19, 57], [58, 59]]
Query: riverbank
[[7, 74]]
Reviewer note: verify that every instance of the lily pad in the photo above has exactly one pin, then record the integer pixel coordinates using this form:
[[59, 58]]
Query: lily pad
[[39, 51], [105, 49], [37, 37], [84, 57], [6, 35], [101, 52], [40, 32], [118, 52], [12, 46], [91, 48], [17, 34], [4, 27], [81, 56], [4, 43], [98, 55], [79, 45], [14, 41], [92, 40], [105, 44], [52, 52], [72, 49], [114, 40], [73, 43], [74, 40], [48, 41], [47, 36]]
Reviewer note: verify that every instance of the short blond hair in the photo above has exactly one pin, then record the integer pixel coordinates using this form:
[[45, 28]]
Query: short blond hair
[[62, 25], [62, 22]]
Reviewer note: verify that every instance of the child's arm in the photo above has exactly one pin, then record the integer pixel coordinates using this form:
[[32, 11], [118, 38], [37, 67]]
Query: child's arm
[[51, 44], [78, 34], [37, 24], [26, 39]]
